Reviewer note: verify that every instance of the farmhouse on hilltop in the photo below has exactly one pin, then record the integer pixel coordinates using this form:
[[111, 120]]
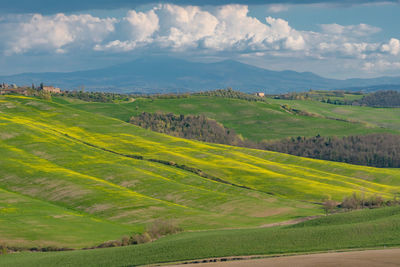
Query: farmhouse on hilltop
[[6, 89], [260, 94], [50, 89]]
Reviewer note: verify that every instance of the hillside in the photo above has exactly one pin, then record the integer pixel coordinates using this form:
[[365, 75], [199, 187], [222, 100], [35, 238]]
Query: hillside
[[259, 120], [387, 118], [92, 168], [378, 228], [178, 75]]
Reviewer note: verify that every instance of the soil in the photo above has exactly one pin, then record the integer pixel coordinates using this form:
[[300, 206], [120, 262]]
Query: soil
[[367, 258]]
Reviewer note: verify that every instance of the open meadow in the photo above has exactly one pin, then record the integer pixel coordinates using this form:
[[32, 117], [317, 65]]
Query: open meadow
[[71, 178]]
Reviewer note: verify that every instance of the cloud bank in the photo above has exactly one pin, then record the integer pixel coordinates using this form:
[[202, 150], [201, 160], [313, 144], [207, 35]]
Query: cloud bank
[[193, 29]]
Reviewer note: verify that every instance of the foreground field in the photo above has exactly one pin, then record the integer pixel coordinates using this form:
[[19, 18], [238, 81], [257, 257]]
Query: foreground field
[[373, 258], [359, 229], [70, 169]]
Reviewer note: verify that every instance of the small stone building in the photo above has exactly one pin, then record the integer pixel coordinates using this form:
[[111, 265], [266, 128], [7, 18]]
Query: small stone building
[[19, 91], [51, 89], [260, 94]]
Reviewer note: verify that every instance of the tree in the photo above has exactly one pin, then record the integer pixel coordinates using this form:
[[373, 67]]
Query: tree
[[329, 205]]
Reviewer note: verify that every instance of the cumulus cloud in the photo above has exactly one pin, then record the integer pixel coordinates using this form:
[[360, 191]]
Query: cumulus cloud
[[168, 27], [54, 33], [223, 28], [184, 26], [393, 47], [350, 30]]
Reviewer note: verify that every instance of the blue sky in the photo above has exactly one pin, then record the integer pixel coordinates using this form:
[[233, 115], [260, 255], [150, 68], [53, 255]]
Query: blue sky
[[330, 38]]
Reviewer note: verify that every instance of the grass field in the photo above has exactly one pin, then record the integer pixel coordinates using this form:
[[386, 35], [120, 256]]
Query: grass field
[[63, 168], [261, 120], [388, 118], [360, 229]]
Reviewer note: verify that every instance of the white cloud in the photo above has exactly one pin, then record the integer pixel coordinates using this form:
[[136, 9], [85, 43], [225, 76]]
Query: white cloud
[[141, 26], [381, 65], [277, 8], [212, 30], [223, 28], [350, 30], [393, 47], [54, 33], [184, 26], [351, 41]]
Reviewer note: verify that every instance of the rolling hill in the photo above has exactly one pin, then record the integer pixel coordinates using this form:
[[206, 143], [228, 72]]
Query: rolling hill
[[260, 120], [177, 75], [70, 168]]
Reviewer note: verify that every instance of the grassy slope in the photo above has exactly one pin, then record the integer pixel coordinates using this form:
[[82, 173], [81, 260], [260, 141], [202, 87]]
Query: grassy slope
[[382, 117], [253, 120], [45, 155], [27, 221], [40, 162], [359, 229]]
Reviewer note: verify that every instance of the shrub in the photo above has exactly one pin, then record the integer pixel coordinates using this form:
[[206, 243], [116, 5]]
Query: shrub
[[3, 249], [161, 228], [329, 205]]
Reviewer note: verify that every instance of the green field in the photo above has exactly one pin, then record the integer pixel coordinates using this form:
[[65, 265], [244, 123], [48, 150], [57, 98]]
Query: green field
[[377, 228], [72, 169], [261, 120], [388, 118]]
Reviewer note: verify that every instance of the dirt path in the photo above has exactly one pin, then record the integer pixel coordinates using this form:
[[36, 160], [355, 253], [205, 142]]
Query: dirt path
[[368, 258], [294, 221]]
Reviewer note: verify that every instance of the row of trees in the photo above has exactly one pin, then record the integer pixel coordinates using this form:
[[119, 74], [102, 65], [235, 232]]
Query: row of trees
[[96, 96], [377, 99], [377, 150], [154, 231], [318, 95], [230, 93], [196, 127], [380, 99], [112, 97], [358, 201]]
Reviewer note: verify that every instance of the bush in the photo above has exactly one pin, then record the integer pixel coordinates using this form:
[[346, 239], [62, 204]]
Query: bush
[[154, 231], [329, 205], [161, 228], [375, 201], [3, 249]]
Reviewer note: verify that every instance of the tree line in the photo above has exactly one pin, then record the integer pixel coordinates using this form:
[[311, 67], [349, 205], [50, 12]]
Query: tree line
[[359, 201], [196, 127], [230, 93], [96, 96], [377, 150], [112, 97], [380, 99]]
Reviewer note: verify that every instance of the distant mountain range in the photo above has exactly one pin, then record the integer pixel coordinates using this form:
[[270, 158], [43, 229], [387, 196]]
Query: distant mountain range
[[165, 74]]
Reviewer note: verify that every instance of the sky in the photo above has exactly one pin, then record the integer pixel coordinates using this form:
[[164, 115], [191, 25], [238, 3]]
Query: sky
[[333, 39]]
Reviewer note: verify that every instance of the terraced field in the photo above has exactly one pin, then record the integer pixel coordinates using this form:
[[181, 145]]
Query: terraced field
[[63, 168], [262, 120]]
